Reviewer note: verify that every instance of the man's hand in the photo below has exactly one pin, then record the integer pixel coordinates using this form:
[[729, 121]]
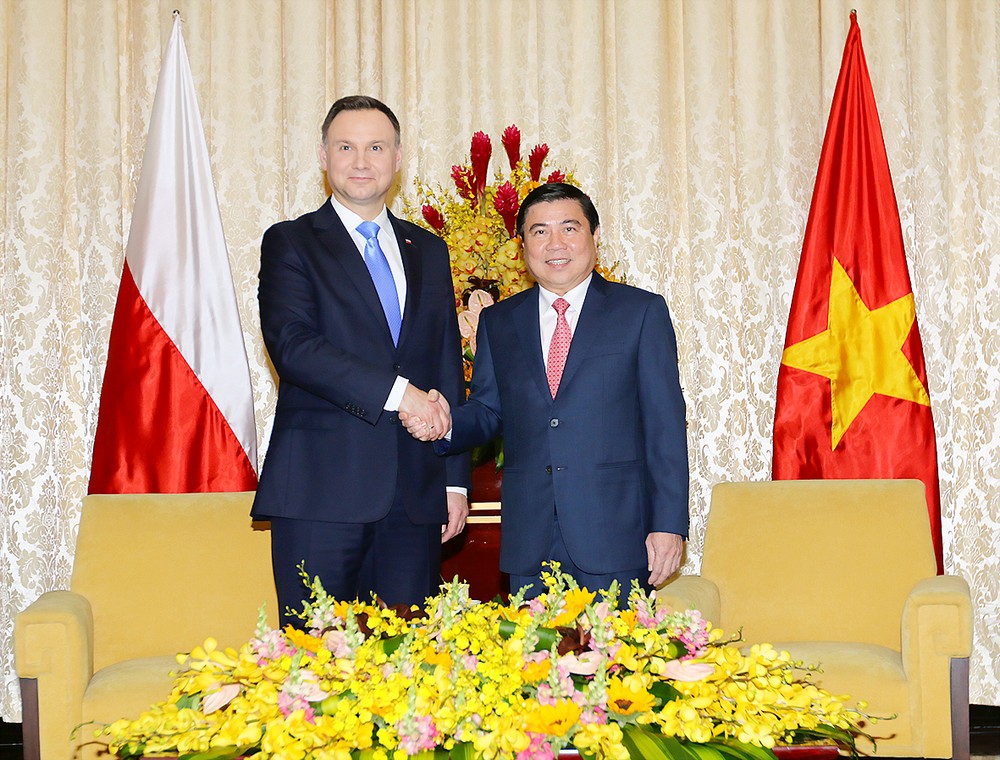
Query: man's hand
[[426, 416], [663, 551], [458, 511]]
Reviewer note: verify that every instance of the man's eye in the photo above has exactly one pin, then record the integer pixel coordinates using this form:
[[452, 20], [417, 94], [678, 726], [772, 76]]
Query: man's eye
[[377, 148]]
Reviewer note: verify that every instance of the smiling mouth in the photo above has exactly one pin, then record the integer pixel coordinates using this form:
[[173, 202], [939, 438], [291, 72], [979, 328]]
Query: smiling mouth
[[557, 262]]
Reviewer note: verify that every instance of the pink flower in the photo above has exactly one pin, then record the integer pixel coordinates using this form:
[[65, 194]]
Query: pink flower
[[336, 642], [583, 664], [270, 647], [432, 216], [538, 749], [506, 204], [219, 698], [687, 671], [535, 160], [423, 735], [288, 704], [556, 176], [511, 140]]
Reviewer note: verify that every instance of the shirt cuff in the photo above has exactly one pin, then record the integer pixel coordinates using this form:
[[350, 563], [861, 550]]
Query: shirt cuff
[[457, 489], [396, 395]]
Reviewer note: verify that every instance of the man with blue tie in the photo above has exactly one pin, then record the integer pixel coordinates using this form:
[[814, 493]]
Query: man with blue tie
[[580, 377], [358, 314]]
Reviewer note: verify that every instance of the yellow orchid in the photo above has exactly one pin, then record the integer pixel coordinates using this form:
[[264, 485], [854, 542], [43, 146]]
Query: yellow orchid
[[495, 679]]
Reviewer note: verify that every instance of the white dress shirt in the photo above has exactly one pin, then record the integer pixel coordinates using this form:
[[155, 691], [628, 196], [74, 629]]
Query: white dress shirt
[[547, 316]]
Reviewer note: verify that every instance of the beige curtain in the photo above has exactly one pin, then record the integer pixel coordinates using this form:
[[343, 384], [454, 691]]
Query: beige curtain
[[695, 125]]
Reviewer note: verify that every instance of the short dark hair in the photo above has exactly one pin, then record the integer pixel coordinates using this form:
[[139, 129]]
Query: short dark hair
[[359, 103], [557, 191]]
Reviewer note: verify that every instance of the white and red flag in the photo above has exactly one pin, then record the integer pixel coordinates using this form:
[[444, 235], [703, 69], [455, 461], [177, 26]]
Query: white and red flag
[[176, 410]]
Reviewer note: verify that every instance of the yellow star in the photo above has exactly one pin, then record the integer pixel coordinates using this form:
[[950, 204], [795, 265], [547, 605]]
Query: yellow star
[[860, 352]]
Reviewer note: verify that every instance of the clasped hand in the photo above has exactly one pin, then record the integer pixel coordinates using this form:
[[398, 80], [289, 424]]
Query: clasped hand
[[426, 416]]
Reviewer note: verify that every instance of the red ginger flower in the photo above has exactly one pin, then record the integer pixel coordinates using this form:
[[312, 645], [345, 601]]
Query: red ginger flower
[[506, 204], [535, 160], [556, 176], [480, 153], [432, 216], [511, 140], [462, 176]]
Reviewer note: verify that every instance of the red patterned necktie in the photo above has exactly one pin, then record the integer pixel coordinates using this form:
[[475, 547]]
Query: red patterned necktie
[[559, 347]]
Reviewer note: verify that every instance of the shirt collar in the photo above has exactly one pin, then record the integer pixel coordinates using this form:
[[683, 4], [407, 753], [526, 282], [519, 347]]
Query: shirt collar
[[575, 297], [351, 220]]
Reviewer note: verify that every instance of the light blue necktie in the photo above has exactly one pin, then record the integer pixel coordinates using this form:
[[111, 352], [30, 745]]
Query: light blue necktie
[[385, 284]]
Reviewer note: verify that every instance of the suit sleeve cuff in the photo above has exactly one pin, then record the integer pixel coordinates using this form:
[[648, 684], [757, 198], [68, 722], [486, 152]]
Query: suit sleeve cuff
[[396, 395]]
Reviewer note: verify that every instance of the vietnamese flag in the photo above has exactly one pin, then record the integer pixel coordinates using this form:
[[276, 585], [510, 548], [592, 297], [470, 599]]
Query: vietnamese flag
[[176, 410], [852, 398]]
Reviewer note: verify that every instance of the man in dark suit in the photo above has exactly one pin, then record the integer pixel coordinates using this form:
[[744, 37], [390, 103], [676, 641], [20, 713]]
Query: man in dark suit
[[580, 377], [358, 317]]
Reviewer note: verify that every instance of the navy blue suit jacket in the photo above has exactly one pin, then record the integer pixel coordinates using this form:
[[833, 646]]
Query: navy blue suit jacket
[[609, 453], [334, 454]]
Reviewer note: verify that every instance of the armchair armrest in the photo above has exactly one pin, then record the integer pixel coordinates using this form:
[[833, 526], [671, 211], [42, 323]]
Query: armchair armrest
[[54, 644], [691, 592], [936, 638], [937, 620]]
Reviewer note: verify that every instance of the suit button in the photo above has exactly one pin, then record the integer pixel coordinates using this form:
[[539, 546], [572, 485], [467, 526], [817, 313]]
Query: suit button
[[393, 419], [548, 469], [554, 422], [395, 368]]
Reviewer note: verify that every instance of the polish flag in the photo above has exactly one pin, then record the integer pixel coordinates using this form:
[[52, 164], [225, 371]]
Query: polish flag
[[176, 410]]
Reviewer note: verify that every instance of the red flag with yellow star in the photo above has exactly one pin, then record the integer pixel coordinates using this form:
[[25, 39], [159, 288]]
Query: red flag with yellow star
[[852, 397]]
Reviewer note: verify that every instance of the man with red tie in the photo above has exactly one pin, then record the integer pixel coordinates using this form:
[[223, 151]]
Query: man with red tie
[[358, 314], [579, 375]]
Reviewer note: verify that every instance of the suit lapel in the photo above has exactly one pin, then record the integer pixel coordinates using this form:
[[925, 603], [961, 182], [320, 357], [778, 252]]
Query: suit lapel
[[588, 328], [530, 335], [344, 253]]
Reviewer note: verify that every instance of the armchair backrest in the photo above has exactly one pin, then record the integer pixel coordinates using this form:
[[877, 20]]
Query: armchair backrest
[[165, 571], [817, 560]]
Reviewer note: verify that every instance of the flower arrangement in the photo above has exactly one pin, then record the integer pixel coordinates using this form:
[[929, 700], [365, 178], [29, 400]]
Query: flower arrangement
[[518, 681], [477, 219]]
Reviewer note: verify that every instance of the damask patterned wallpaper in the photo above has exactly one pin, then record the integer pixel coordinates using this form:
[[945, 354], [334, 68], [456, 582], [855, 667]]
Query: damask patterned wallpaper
[[696, 126]]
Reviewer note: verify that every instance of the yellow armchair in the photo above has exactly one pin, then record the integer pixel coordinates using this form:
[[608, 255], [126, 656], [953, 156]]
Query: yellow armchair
[[153, 575], [841, 573]]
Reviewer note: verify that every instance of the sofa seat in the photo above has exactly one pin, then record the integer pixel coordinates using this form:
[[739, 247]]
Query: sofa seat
[[124, 689], [872, 672]]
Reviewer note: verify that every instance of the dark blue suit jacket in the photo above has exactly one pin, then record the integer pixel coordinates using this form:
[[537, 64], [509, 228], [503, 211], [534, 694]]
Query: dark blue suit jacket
[[609, 454], [334, 454]]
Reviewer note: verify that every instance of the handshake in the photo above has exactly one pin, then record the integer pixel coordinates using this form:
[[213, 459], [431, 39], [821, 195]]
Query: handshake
[[426, 416]]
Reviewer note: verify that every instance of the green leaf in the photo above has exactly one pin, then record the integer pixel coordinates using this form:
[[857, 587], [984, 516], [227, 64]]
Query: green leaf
[[746, 751], [217, 753], [189, 701], [704, 751], [644, 744], [391, 644], [546, 636], [664, 692], [463, 751]]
